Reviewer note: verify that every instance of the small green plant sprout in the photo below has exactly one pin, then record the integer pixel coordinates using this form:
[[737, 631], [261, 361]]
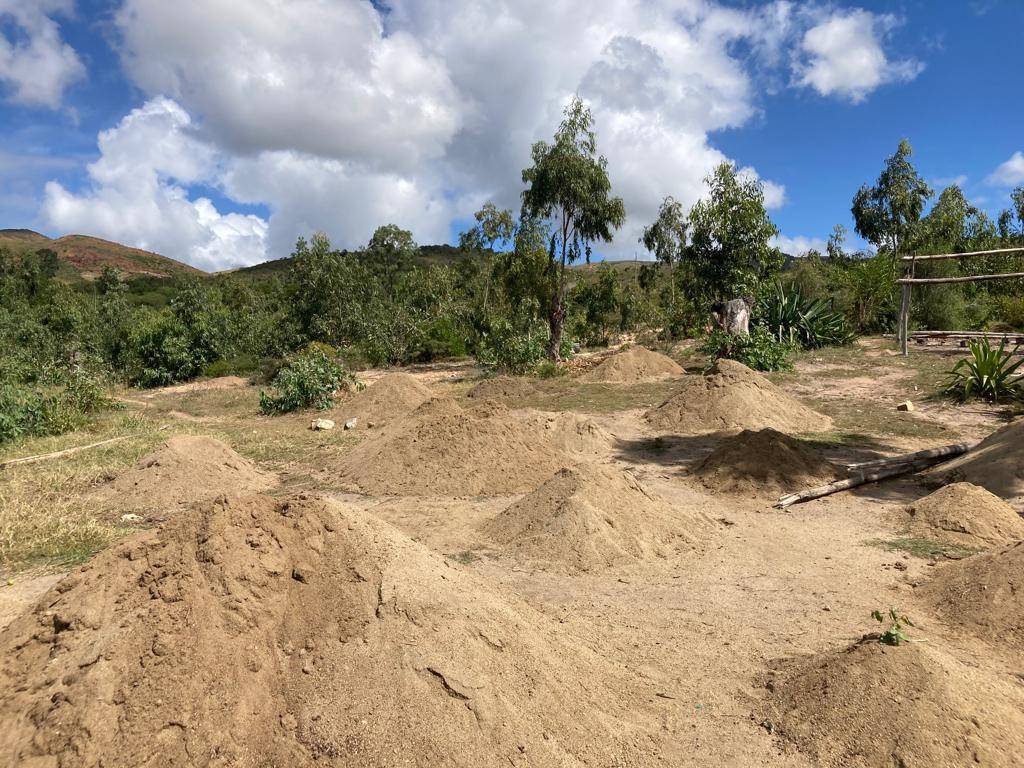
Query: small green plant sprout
[[894, 634]]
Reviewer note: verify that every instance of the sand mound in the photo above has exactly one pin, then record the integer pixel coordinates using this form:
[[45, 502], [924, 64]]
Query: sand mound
[[766, 463], [503, 388], [965, 515], [874, 705], [443, 449], [997, 464], [983, 595], [301, 633], [633, 366], [587, 518], [731, 396], [390, 397], [184, 470]]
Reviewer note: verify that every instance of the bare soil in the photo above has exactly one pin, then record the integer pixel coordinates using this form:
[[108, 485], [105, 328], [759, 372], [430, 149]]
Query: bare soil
[[964, 515], [634, 365]]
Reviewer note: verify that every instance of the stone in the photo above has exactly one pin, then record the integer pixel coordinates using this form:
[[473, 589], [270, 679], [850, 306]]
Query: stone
[[320, 424], [351, 423], [130, 518], [905, 406]]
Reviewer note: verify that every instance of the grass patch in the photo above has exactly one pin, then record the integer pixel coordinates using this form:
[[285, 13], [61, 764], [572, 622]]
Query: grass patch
[[927, 549]]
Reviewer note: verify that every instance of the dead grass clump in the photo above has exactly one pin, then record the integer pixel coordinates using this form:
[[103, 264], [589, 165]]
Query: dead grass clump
[[587, 518], [764, 463], [302, 633], [633, 366], [964, 515], [731, 396], [875, 705]]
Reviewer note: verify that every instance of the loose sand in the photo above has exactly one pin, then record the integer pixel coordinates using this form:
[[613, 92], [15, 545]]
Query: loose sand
[[873, 706], [299, 633], [997, 464], [443, 449], [588, 518], [389, 398], [983, 595], [184, 470], [764, 463], [503, 388], [633, 366], [965, 515], [731, 396]]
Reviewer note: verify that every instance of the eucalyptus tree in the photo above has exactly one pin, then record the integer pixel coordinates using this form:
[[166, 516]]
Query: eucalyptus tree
[[389, 253], [665, 239], [569, 188], [493, 226]]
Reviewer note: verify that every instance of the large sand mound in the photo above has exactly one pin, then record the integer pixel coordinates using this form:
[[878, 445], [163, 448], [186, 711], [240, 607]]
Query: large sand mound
[[983, 595], [633, 366], [765, 462], [503, 388], [874, 705], [587, 518], [443, 449], [390, 397], [964, 515], [731, 396], [997, 464], [184, 470], [301, 633]]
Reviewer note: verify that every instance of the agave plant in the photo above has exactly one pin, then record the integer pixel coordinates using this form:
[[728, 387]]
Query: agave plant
[[792, 318], [989, 373]]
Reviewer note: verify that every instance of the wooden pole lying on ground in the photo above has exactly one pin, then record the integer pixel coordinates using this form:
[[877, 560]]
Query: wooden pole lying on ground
[[884, 468], [56, 454]]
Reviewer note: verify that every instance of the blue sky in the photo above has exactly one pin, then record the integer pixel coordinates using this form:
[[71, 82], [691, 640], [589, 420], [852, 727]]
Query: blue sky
[[217, 132]]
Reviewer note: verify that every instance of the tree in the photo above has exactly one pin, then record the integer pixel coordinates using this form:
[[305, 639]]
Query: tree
[[390, 252], [730, 234], [569, 187], [666, 240], [885, 215], [492, 226]]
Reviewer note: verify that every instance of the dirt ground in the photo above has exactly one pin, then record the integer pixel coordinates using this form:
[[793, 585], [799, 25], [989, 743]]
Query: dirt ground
[[707, 640]]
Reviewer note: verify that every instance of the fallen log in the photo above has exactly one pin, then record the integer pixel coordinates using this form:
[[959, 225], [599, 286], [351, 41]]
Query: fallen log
[[57, 454], [955, 449]]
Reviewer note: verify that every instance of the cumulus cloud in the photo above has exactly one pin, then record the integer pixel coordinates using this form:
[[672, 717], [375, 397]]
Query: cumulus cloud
[[1009, 173], [799, 245], [36, 65], [842, 55], [139, 194]]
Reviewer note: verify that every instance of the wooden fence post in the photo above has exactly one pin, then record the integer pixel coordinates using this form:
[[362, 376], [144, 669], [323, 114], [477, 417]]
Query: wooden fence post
[[904, 321]]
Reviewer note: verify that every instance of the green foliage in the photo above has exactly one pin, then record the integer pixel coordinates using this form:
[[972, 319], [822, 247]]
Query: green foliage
[[759, 350], [35, 411], [886, 214], [511, 347], [893, 634], [730, 254], [988, 374], [792, 317], [308, 381]]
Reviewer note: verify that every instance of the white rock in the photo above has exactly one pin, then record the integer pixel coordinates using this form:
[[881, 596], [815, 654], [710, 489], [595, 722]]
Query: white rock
[[319, 424], [130, 518], [351, 423]]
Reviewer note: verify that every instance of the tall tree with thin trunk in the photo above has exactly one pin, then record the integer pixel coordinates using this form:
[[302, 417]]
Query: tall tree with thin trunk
[[569, 188], [665, 239]]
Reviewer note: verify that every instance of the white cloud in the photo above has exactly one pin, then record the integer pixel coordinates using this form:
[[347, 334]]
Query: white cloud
[[1009, 173], [36, 65], [842, 55], [139, 196], [947, 181], [799, 245]]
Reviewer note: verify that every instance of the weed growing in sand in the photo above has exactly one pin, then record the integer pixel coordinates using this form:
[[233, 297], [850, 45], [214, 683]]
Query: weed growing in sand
[[894, 634], [926, 549], [308, 381]]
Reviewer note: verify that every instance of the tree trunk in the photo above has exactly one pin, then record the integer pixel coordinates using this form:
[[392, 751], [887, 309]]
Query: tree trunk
[[556, 322]]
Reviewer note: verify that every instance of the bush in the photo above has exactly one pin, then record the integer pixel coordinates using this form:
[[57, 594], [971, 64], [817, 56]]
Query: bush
[[759, 349], [34, 412], [308, 381], [791, 317], [989, 374], [511, 349]]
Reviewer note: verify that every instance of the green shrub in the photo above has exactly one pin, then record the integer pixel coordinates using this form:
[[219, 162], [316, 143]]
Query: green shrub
[[792, 317], [308, 381], [759, 349], [34, 412], [511, 349], [988, 373]]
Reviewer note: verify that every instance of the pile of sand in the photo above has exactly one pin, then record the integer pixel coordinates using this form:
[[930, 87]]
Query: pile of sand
[[983, 595], [503, 388], [443, 449], [964, 515], [764, 463], [184, 470], [300, 633], [390, 397], [587, 517], [874, 705], [997, 464], [731, 396], [635, 365]]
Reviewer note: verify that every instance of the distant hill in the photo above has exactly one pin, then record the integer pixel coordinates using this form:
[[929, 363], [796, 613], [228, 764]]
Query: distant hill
[[85, 257]]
